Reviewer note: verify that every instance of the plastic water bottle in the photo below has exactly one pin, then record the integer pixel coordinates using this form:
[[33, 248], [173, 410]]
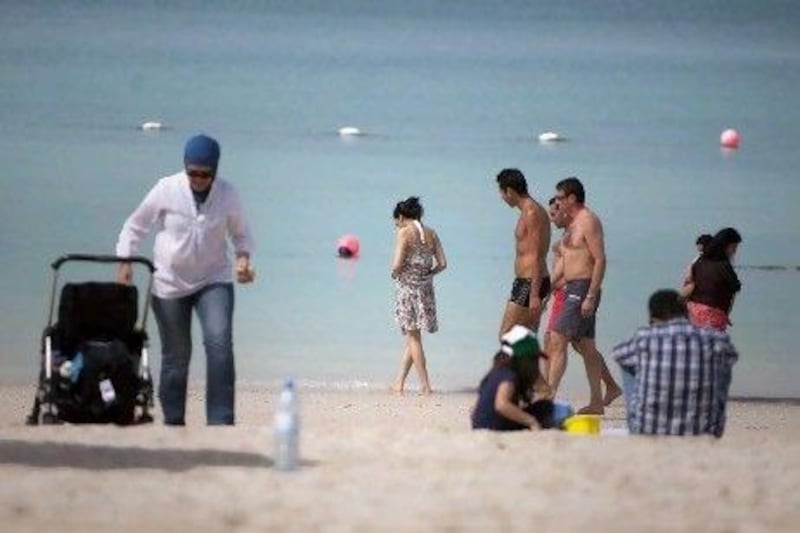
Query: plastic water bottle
[[287, 428]]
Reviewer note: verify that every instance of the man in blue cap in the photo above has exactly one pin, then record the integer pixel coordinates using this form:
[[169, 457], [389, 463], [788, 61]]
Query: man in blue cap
[[198, 218]]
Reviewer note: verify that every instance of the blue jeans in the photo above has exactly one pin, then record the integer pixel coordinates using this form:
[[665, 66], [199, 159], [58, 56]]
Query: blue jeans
[[214, 307], [628, 390]]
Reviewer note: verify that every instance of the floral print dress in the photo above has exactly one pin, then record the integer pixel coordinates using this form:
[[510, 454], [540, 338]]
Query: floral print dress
[[415, 301]]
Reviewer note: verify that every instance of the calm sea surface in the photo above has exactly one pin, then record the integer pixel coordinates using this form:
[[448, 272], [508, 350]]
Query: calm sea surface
[[449, 93]]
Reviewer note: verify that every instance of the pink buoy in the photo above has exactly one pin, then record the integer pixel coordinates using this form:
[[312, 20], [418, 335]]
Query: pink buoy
[[729, 138], [348, 246]]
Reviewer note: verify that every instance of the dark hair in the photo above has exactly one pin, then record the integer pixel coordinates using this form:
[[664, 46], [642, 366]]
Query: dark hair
[[716, 249], [409, 208], [572, 185], [665, 304], [704, 240], [526, 370], [512, 178]]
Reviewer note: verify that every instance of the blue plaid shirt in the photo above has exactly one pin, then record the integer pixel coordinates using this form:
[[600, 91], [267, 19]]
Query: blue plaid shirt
[[681, 375]]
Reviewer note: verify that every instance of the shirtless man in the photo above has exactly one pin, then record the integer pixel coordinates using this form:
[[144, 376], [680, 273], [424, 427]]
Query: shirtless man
[[559, 219], [532, 235], [556, 302], [581, 253]]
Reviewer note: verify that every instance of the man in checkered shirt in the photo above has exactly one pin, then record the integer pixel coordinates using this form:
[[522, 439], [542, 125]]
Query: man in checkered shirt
[[676, 376]]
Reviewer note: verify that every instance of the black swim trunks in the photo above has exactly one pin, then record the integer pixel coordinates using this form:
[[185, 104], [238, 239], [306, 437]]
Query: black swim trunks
[[544, 288], [521, 290]]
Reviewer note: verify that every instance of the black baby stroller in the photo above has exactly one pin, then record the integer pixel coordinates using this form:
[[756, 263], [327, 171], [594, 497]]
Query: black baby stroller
[[94, 361]]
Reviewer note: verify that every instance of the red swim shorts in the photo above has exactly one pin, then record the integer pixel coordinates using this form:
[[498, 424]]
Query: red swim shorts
[[559, 296]]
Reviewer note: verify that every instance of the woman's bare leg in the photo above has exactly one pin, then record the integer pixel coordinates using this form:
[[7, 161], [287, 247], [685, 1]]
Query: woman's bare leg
[[418, 357], [405, 366]]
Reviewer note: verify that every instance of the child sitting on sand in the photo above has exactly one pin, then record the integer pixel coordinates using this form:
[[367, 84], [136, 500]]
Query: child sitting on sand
[[504, 394]]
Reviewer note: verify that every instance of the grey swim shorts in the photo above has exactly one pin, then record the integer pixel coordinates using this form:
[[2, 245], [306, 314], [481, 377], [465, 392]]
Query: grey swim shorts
[[570, 322]]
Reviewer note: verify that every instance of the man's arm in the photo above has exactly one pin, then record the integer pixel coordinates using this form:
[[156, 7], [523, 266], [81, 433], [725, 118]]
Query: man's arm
[[593, 233], [625, 354], [726, 349], [558, 267], [596, 245]]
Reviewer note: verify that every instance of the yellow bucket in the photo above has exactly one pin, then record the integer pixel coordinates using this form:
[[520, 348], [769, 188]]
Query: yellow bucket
[[583, 424]]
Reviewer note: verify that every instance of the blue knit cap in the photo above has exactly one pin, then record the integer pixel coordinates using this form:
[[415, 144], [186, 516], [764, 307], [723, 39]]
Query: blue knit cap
[[201, 150]]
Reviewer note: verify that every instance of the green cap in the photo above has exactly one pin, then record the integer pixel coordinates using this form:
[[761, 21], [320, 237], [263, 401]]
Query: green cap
[[520, 341]]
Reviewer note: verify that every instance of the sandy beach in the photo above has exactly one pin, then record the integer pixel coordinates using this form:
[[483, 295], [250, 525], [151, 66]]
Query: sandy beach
[[373, 461]]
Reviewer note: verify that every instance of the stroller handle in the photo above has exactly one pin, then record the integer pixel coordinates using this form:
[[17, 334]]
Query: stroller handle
[[103, 259]]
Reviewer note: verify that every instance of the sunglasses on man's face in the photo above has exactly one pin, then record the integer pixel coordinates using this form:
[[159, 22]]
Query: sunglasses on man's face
[[202, 174]]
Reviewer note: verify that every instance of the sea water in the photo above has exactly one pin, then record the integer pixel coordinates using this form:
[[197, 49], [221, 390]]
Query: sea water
[[447, 94]]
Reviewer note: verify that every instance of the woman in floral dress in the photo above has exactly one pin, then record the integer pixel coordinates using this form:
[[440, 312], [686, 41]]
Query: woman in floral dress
[[418, 256]]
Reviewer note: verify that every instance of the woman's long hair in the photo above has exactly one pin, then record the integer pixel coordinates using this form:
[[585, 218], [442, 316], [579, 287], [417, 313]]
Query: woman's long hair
[[717, 249], [526, 370]]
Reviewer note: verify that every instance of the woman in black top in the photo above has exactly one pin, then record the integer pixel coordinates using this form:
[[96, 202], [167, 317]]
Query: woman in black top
[[714, 282]]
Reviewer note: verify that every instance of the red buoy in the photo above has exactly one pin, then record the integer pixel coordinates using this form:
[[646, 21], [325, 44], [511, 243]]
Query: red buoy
[[348, 246], [730, 139]]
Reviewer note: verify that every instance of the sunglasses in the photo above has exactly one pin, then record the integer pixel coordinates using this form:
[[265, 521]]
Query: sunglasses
[[202, 174]]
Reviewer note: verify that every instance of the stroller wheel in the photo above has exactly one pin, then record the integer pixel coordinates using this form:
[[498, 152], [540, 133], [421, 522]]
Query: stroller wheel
[[49, 419], [146, 418], [32, 420]]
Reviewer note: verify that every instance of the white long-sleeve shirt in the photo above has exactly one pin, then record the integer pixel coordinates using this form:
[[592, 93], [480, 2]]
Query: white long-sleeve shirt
[[192, 245]]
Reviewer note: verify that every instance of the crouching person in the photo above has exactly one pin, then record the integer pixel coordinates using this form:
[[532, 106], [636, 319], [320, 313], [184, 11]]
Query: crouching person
[[505, 393], [675, 375]]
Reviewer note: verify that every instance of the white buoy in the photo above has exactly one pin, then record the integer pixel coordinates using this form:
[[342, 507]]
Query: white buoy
[[550, 137], [151, 126], [349, 131]]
